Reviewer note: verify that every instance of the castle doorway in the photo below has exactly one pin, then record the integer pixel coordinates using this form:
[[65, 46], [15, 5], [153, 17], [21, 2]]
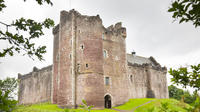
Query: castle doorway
[[108, 103]]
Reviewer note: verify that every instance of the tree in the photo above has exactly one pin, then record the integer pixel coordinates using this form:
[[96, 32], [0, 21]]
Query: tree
[[175, 92], [9, 84], [7, 90], [186, 11], [180, 94], [20, 42], [186, 76]]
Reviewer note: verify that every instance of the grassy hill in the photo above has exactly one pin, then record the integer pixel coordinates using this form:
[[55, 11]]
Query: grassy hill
[[136, 105]]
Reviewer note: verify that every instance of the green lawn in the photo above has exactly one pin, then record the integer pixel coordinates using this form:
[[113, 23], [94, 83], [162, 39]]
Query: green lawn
[[48, 107], [130, 105], [174, 105]]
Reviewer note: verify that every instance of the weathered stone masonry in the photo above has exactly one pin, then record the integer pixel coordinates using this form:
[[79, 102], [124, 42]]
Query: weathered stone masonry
[[90, 62], [35, 87]]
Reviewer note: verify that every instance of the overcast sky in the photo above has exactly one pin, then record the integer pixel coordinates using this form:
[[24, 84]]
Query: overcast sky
[[150, 30]]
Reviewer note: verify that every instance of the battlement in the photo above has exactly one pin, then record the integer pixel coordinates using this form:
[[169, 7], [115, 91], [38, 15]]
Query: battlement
[[147, 65], [55, 29], [35, 70], [116, 30]]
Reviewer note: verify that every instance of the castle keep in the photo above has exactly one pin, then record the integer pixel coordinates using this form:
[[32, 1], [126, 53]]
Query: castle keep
[[90, 62]]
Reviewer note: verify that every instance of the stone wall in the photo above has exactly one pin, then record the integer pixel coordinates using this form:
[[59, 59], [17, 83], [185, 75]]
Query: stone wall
[[146, 77], [55, 65], [35, 87], [89, 60], [114, 48], [78, 65], [137, 81], [159, 83]]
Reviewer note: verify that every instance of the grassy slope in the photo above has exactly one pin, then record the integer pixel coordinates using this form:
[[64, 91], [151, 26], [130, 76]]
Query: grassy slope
[[172, 105], [130, 105], [48, 107]]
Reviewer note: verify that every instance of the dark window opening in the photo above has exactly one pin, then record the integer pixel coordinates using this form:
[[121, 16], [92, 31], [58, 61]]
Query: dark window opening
[[70, 56], [131, 78], [86, 65], [78, 67], [82, 47], [108, 103]]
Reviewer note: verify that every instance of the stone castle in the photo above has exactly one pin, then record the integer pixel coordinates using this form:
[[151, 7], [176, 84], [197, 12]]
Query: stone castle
[[90, 62]]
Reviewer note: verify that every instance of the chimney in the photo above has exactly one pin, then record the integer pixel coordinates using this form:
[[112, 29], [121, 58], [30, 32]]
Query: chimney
[[133, 53]]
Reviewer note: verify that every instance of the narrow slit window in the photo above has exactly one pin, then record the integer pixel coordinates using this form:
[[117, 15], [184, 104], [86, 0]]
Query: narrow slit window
[[78, 67], [86, 65], [70, 56], [82, 47], [131, 78]]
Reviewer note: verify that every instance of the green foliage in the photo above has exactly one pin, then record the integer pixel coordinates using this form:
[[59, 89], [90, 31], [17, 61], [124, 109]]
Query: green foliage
[[196, 106], [163, 105], [186, 11], [2, 5], [6, 104], [85, 106], [19, 42], [7, 88], [189, 98], [9, 85], [175, 92], [172, 104], [40, 2], [185, 78], [180, 94], [132, 103]]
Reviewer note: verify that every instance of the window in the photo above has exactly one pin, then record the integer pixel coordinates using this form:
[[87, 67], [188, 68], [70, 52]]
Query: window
[[104, 53], [70, 56], [57, 57], [107, 81], [102, 35], [86, 65], [131, 78], [78, 67], [82, 47]]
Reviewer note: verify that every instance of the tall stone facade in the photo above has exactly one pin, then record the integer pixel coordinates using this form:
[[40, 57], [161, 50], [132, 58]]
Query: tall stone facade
[[90, 62]]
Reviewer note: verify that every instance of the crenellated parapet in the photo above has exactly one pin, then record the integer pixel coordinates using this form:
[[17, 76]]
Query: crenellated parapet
[[35, 71], [158, 68], [116, 30], [55, 29]]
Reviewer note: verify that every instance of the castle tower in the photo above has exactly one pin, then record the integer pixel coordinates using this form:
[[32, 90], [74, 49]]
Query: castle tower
[[78, 61], [115, 65]]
